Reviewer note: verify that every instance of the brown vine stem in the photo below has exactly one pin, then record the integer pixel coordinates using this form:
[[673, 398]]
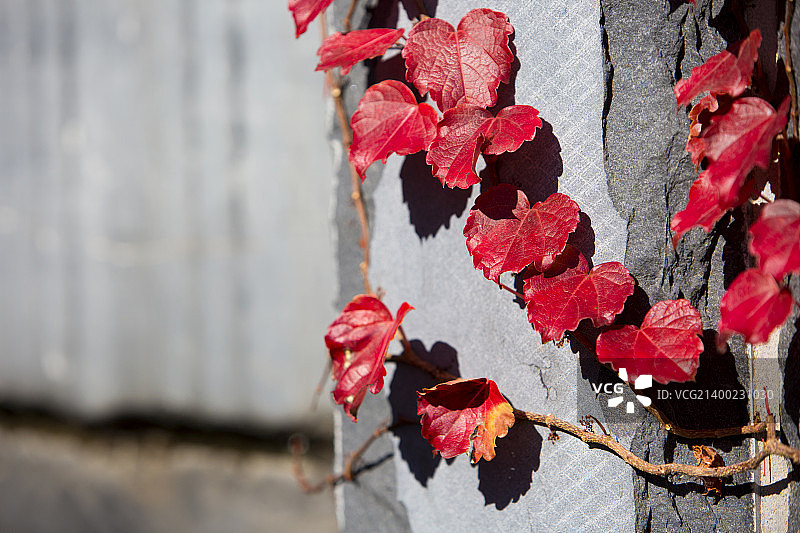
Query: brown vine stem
[[330, 480], [321, 384], [335, 85], [411, 357], [512, 291], [772, 447], [787, 63], [349, 16]]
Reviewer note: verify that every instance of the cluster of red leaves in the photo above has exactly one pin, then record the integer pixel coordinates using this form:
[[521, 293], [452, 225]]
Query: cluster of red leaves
[[758, 302], [461, 68], [731, 134], [731, 140]]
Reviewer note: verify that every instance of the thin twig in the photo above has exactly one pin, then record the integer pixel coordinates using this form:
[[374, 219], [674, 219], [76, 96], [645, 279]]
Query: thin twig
[[349, 16], [512, 291], [772, 447], [411, 357], [331, 480], [602, 427], [320, 384], [355, 180], [423, 13], [787, 63]]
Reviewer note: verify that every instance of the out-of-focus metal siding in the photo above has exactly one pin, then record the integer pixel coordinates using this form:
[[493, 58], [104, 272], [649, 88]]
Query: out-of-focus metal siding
[[164, 189]]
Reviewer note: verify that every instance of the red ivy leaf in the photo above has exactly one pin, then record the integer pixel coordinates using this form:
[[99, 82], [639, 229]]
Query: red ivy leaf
[[722, 73], [737, 141], [357, 342], [459, 411], [569, 292], [460, 66], [505, 234], [345, 50], [389, 120], [466, 131], [703, 209], [305, 11], [667, 346], [754, 305], [776, 238]]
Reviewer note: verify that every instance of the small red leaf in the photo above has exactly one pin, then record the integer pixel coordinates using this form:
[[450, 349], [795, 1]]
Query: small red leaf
[[305, 11], [505, 234], [754, 305], [776, 238], [569, 292], [703, 209], [739, 140], [667, 346], [722, 73], [466, 131], [345, 50], [460, 66], [459, 411], [357, 342], [389, 120]]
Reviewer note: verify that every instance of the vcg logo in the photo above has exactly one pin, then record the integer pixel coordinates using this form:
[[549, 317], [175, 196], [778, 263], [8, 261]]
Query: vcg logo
[[645, 381]]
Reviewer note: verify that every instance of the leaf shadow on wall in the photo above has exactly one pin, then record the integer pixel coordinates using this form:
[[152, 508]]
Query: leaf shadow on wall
[[507, 477], [534, 168], [430, 205], [717, 372], [386, 13], [407, 380]]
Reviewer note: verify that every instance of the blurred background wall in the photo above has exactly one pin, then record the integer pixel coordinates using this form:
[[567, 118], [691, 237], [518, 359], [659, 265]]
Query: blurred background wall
[[164, 202]]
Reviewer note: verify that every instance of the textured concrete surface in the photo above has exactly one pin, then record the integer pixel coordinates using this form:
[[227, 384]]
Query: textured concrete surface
[[84, 482]]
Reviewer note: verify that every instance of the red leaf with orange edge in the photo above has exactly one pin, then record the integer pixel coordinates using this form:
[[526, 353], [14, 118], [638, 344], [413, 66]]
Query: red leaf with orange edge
[[776, 238], [667, 346], [722, 73], [505, 234], [466, 131], [345, 50], [464, 411], [389, 120], [305, 11], [463, 65], [753, 306], [357, 342], [558, 299]]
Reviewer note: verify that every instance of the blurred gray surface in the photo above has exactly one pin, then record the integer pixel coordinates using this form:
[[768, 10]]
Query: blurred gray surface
[[67, 482], [164, 198]]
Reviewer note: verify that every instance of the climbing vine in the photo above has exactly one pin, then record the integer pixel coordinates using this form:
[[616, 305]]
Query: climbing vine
[[737, 127]]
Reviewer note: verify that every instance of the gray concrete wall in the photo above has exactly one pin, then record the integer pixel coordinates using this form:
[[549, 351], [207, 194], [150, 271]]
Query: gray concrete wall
[[164, 197]]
